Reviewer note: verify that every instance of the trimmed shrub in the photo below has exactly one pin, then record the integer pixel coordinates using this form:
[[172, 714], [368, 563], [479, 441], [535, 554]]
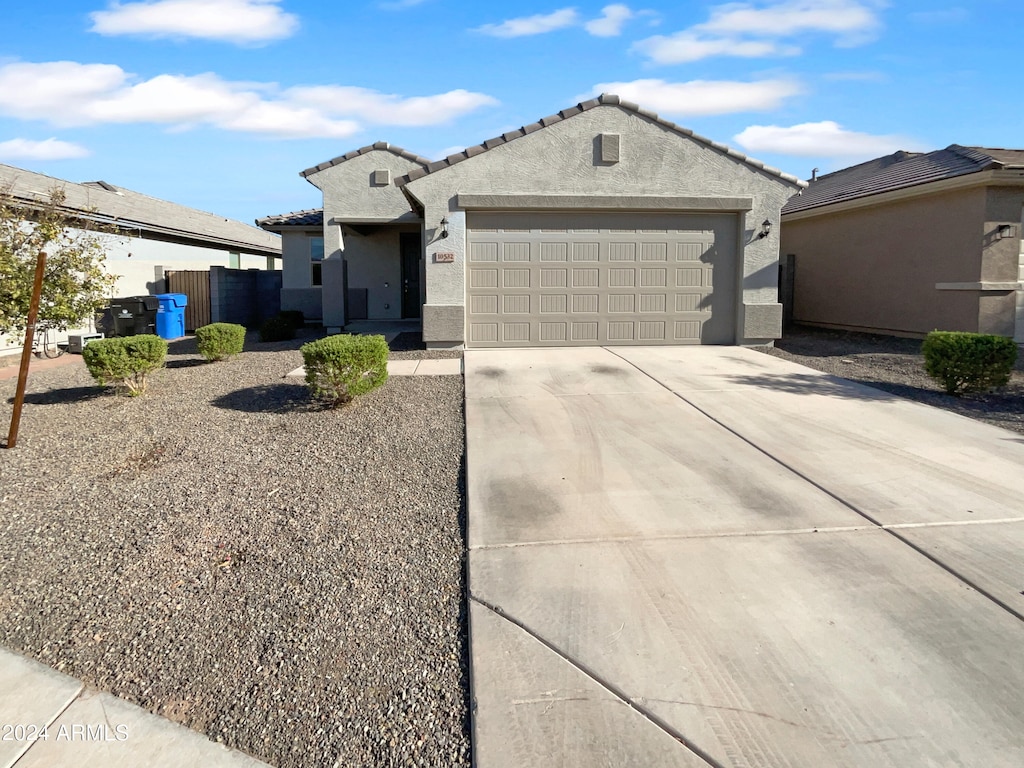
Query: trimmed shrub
[[340, 368], [293, 317], [968, 362], [218, 341], [125, 361], [277, 329]]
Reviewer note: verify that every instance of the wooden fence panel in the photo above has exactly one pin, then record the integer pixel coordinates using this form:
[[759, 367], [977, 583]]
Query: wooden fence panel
[[196, 285]]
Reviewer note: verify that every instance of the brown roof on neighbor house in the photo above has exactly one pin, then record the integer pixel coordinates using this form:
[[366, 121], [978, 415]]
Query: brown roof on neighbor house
[[310, 218], [565, 114], [900, 170], [362, 151], [131, 212], [1010, 158]]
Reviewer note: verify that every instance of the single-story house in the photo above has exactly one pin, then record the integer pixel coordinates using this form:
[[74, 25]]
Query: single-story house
[[602, 224], [910, 243], [148, 237]]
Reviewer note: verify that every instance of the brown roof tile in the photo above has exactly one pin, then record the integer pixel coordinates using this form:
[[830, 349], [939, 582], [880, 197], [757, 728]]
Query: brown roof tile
[[899, 171]]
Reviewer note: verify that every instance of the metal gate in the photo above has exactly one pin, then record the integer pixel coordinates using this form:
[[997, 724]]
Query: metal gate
[[196, 285]]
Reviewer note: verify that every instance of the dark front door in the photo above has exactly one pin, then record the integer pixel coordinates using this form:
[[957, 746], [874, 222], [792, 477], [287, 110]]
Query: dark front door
[[411, 252]]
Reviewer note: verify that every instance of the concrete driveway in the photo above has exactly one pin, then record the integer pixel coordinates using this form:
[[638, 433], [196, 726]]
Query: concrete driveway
[[708, 556]]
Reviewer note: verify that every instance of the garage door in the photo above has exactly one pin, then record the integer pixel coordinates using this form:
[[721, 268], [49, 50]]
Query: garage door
[[576, 279]]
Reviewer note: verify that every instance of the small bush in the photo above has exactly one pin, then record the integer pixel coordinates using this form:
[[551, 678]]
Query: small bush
[[277, 329], [968, 362], [125, 362], [340, 368], [218, 341], [293, 317]]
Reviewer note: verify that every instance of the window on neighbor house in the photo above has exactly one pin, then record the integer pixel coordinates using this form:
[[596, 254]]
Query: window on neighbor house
[[316, 257]]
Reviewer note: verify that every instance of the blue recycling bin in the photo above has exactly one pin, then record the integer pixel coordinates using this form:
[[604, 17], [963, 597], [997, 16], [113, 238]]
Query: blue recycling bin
[[170, 315]]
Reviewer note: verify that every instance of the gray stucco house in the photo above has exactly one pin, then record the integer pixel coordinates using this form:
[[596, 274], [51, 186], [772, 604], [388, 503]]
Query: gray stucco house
[[910, 243], [601, 225]]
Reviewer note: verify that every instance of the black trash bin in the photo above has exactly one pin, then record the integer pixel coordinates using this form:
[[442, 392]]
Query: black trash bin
[[134, 315]]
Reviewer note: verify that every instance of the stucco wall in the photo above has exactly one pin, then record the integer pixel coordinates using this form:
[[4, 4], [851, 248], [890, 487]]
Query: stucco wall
[[374, 262], [295, 259], [877, 268], [349, 188], [564, 159], [351, 193]]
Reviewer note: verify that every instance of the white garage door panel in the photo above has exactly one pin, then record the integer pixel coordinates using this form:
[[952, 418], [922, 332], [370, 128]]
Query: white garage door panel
[[563, 279]]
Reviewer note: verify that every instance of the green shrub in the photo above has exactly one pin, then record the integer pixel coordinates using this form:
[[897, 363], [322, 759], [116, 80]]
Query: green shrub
[[339, 368], [968, 362], [277, 329], [218, 341], [125, 361], [293, 317]]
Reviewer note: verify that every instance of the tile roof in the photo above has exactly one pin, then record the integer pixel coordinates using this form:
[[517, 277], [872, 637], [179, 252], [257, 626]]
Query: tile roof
[[565, 114], [310, 218], [132, 211], [362, 151], [899, 171]]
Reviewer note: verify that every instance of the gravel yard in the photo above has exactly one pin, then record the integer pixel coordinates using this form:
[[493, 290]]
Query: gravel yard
[[286, 579], [896, 365]]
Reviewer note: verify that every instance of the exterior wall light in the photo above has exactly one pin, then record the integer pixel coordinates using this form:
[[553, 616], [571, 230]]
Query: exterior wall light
[[766, 229], [444, 227]]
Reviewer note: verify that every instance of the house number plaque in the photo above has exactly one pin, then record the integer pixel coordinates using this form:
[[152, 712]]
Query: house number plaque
[[444, 258]]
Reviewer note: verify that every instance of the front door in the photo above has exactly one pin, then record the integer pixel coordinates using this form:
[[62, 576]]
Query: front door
[[411, 252]]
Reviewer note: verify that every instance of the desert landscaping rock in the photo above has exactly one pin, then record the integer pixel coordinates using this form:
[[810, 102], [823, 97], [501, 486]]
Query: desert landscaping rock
[[896, 365], [286, 579]]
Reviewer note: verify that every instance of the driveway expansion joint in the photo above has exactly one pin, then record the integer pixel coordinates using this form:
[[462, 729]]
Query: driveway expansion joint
[[618, 693], [686, 536], [892, 531]]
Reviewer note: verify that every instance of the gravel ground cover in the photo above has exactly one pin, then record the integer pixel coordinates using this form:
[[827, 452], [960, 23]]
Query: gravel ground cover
[[285, 579], [896, 365]]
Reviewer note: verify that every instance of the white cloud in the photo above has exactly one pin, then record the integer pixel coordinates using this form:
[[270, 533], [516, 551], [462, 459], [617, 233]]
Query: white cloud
[[743, 30], [688, 46], [532, 25], [824, 139], [67, 93], [703, 97], [48, 149], [852, 20], [388, 109], [237, 21], [611, 21]]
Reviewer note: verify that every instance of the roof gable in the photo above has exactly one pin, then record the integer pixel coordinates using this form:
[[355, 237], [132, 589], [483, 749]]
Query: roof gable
[[900, 171], [376, 146], [565, 114]]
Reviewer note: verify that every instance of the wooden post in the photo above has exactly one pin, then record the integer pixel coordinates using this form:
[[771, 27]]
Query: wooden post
[[26, 352]]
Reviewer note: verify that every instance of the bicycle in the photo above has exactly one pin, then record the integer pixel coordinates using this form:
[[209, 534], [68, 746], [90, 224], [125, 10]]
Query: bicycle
[[45, 344]]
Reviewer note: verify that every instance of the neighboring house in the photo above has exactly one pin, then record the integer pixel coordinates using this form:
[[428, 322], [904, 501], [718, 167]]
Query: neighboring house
[[910, 243], [149, 236], [603, 224]]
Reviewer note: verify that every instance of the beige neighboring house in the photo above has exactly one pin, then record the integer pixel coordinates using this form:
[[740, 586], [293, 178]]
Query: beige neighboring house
[[601, 225], [910, 243], [150, 236]]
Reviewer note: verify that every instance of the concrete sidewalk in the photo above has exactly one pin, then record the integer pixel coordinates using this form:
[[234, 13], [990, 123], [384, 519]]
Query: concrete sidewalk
[[709, 556], [449, 366], [50, 720]]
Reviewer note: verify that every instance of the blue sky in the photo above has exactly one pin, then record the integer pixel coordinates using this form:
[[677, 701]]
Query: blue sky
[[218, 104]]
